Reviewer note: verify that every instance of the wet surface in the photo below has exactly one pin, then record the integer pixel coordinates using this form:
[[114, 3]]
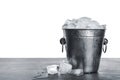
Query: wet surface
[[29, 69]]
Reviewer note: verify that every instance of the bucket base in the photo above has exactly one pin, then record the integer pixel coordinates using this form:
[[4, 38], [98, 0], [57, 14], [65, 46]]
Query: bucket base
[[90, 72]]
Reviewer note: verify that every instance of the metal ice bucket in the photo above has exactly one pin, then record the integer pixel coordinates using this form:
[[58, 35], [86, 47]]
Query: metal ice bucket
[[84, 47]]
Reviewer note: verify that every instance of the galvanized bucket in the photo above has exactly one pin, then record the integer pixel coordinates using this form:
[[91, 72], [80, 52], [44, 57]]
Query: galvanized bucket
[[84, 47]]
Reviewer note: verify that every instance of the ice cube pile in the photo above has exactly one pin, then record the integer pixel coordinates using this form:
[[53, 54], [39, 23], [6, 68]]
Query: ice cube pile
[[83, 23], [63, 68]]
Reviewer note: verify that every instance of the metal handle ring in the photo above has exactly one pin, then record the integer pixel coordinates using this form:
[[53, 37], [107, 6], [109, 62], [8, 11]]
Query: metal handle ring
[[62, 42], [105, 45]]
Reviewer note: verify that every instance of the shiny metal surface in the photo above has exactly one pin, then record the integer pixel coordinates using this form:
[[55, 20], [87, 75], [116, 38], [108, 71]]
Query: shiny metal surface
[[84, 47]]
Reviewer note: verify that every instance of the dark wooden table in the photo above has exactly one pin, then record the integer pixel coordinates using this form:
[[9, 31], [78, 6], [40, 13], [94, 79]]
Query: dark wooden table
[[27, 68]]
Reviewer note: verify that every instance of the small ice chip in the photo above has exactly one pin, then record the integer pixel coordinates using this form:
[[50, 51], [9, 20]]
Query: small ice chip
[[42, 74]]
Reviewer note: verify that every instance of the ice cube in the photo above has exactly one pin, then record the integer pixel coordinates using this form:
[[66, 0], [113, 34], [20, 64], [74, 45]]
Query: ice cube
[[77, 72], [84, 20], [103, 26], [81, 25], [93, 25], [70, 23], [65, 67], [52, 69]]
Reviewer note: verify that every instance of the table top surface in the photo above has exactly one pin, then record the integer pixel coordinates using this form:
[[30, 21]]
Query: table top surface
[[28, 68]]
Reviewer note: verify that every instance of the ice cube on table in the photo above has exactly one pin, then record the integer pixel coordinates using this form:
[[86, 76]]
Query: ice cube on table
[[65, 68], [52, 69], [77, 72]]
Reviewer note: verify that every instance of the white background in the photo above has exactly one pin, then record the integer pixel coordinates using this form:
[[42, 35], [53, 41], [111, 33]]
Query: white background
[[32, 28]]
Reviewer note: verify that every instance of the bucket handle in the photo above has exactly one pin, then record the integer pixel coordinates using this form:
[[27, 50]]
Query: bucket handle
[[62, 42], [105, 42]]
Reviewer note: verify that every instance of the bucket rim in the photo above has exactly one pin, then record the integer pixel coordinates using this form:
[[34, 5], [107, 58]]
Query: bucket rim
[[81, 29]]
